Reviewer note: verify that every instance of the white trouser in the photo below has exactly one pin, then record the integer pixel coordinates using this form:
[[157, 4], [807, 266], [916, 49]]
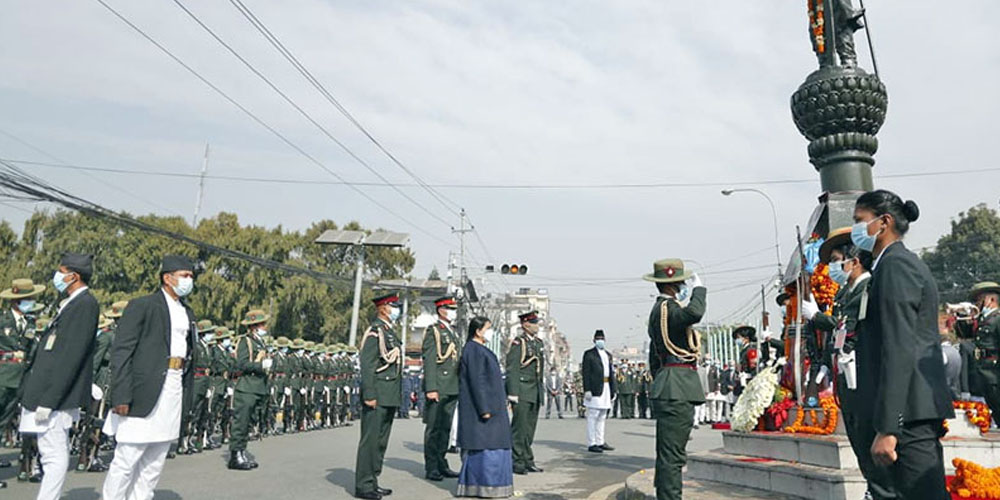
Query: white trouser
[[453, 437], [135, 470], [699, 414], [596, 418], [53, 448], [715, 410]]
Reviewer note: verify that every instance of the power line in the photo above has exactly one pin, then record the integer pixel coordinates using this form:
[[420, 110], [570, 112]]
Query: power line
[[485, 186], [262, 123], [294, 61]]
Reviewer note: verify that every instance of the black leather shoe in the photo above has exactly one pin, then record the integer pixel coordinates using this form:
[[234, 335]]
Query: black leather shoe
[[595, 449], [605, 447], [371, 495], [453, 449], [449, 473], [237, 461], [434, 476], [520, 472], [383, 491], [535, 468], [97, 466], [4, 463]]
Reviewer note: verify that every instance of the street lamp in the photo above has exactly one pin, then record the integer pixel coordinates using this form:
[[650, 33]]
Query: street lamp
[[359, 240], [774, 214]]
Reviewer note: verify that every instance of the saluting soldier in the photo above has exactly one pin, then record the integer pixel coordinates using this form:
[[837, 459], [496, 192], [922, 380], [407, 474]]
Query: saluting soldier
[[381, 375], [674, 350], [252, 365], [440, 359], [525, 365], [17, 330], [151, 381], [986, 373]]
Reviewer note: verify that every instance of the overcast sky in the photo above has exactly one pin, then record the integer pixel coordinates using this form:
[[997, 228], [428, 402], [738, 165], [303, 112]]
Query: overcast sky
[[509, 93]]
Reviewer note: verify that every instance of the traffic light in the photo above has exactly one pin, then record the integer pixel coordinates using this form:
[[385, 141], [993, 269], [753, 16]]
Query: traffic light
[[514, 269]]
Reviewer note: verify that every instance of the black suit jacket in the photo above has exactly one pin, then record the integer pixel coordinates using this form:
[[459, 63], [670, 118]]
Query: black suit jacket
[[61, 369], [900, 367], [140, 352], [593, 373]]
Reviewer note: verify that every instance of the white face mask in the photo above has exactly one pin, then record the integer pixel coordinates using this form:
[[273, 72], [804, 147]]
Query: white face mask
[[488, 334], [261, 332], [185, 285], [450, 314]]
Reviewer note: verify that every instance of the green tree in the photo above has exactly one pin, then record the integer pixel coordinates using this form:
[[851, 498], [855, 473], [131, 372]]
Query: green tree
[[969, 254], [434, 275]]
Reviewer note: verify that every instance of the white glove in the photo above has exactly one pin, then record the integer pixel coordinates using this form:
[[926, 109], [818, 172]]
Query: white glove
[[42, 415], [267, 364], [695, 281], [809, 309], [302, 391], [208, 394], [513, 399], [965, 396], [823, 370], [229, 391], [96, 392], [288, 391], [587, 396]]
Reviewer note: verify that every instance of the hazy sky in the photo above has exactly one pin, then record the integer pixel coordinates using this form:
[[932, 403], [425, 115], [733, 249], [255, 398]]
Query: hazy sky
[[503, 92]]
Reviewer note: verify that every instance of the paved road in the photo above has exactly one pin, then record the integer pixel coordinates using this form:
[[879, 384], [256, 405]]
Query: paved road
[[320, 465]]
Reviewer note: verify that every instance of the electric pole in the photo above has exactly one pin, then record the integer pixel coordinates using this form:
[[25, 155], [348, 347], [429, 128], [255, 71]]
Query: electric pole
[[201, 189]]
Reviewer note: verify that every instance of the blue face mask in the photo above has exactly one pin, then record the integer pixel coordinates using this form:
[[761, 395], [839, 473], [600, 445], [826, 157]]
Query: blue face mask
[[599, 344], [58, 283], [837, 273], [683, 293], [394, 314], [284, 350], [226, 343], [25, 306], [861, 238]]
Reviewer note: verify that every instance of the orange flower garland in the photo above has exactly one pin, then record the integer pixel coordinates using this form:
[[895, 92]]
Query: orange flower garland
[[824, 289], [829, 407], [974, 481], [977, 413]]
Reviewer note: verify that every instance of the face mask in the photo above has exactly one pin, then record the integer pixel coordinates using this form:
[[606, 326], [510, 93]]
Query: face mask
[[451, 314], [284, 350], [683, 293], [25, 306], [599, 344], [226, 343], [184, 286], [394, 314], [262, 332], [861, 238], [837, 273], [58, 283], [488, 334], [209, 337]]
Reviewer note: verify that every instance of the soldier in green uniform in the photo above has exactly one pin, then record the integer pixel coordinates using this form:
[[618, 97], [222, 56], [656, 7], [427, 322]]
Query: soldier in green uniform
[[440, 357], [279, 380], [381, 393], [644, 381], [197, 425], [525, 365], [219, 409], [626, 391], [674, 350], [252, 366], [17, 331], [986, 372]]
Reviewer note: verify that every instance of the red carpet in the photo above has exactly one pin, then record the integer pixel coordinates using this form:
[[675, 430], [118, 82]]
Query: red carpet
[[724, 426]]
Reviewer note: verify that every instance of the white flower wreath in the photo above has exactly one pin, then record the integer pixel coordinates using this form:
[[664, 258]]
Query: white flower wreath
[[755, 399]]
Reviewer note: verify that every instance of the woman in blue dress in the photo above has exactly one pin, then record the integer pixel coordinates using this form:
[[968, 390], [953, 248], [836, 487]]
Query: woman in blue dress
[[483, 425]]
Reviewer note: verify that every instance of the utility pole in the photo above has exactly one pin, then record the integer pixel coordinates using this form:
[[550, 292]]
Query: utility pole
[[201, 188], [462, 277]]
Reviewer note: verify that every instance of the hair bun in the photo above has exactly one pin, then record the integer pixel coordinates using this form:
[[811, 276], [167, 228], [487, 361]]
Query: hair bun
[[911, 210]]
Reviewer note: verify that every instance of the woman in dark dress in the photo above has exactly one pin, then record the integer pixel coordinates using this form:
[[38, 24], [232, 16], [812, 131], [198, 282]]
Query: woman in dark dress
[[483, 426]]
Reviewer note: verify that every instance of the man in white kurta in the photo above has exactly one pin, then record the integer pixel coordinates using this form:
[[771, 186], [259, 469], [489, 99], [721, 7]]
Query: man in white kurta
[[143, 443], [599, 406]]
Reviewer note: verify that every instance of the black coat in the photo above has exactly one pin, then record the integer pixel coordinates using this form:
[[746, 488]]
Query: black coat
[[62, 368], [901, 376], [140, 352], [481, 390], [593, 373]]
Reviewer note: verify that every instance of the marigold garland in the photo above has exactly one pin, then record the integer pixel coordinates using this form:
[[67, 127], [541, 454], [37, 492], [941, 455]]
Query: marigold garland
[[974, 481], [829, 407], [824, 289], [977, 413]]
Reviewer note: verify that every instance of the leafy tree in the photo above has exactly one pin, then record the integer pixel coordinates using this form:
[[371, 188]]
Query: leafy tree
[[434, 275], [968, 255]]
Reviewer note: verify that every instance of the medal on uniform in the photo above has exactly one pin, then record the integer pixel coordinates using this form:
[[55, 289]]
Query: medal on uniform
[[50, 342]]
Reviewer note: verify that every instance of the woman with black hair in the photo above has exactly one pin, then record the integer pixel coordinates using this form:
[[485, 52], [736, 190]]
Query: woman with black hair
[[484, 433], [901, 378]]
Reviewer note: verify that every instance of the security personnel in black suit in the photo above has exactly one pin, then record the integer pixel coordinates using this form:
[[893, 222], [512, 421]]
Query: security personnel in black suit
[[986, 371], [440, 356], [381, 395], [901, 380], [59, 374]]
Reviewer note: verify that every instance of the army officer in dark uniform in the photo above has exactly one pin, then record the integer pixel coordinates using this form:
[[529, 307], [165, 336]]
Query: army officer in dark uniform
[[525, 361], [440, 356], [674, 348], [901, 380], [985, 373], [381, 394]]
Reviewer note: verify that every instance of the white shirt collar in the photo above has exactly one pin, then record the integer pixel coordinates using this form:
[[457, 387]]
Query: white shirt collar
[[860, 280], [72, 296], [879, 258]]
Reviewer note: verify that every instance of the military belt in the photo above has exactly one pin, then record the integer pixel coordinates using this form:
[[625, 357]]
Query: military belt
[[606, 380], [671, 360], [175, 363], [201, 372], [680, 365]]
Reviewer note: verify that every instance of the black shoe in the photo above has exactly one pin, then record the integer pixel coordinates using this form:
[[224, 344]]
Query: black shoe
[[449, 473], [22, 477], [97, 466], [595, 449], [520, 472], [171, 455], [605, 447], [534, 468], [453, 449], [3, 485], [238, 461], [36, 478], [4, 463], [371, 495], [434, 476], [383, 491]]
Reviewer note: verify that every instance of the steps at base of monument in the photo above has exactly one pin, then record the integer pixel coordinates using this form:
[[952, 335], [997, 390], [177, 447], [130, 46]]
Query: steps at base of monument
[[784, 478], [832, 451]]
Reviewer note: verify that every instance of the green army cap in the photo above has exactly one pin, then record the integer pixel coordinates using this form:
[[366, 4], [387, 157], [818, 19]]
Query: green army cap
[[298, 344], [282, 342], [104, 322], [37, 308], [255, 317], [984, 287], [351, 349], [22, 288], [309, 345], [117, 309], [205, 326], [836, 239], [668, 271], [42, 323], [319, 348], [221, 333]]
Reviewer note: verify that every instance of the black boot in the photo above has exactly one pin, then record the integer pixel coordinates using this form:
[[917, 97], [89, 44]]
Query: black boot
[[237, 461]]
